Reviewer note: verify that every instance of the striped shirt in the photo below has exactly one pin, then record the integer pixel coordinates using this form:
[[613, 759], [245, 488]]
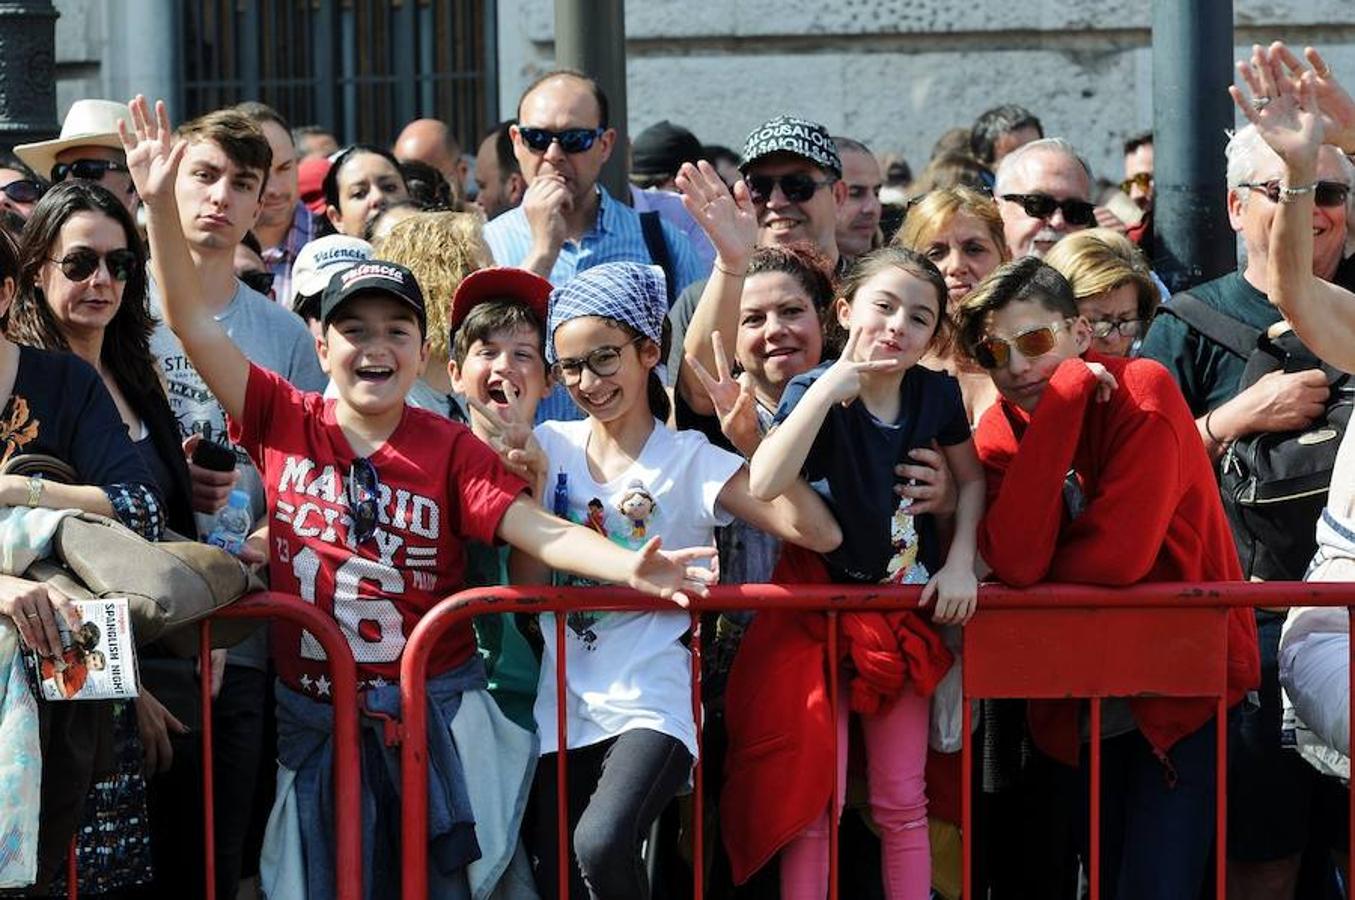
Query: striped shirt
[[279, 259], [616, 236]]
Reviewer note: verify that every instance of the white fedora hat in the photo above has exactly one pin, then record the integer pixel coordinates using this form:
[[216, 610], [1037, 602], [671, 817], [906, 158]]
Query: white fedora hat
[[90, 123]]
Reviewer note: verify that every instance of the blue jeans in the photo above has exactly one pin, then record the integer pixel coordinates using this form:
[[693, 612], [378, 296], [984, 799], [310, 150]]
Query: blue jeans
[[1157, 824]]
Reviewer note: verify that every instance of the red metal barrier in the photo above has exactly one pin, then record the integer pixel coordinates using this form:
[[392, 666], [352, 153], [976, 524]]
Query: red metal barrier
[[1007, 651], [347, 776]]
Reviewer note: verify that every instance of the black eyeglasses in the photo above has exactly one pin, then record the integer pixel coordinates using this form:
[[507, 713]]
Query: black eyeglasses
[[23, 191], [364, 499], [601, 362], [85, 169], [1327, 193], [1104, 328], [1042, 206], [796, 188], [81, 264], [572, 140], [258, 281], [994, 352]]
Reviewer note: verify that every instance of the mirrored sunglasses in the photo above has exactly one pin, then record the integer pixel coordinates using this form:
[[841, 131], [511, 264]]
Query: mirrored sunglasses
[[995, 352], [572, 140]]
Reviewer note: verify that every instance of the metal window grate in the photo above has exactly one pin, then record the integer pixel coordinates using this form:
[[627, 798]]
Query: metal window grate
[[360, 67]]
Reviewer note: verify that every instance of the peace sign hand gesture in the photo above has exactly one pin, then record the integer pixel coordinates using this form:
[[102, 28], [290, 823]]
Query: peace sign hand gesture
[[511, 437], [732, 398], [153, 155], [1283, 109], [729, 220], [842, 381]]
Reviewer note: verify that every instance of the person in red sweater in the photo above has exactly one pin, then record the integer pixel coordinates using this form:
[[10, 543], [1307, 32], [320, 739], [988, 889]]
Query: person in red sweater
[[1096, 475]]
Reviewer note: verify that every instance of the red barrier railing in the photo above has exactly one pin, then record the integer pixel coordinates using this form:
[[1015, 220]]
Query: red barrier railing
[[1009, 652], [347, 775]]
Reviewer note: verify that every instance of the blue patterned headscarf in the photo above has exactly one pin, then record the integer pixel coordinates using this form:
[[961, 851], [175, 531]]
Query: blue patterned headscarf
[[627, 292]]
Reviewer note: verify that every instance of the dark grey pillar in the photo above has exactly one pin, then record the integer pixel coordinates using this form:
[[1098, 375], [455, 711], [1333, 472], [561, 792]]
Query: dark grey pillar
[[590, 35], [27, 71], [1192, 68]]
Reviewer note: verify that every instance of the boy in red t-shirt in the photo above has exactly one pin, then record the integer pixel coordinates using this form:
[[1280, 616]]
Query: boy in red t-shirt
[[370, 503]]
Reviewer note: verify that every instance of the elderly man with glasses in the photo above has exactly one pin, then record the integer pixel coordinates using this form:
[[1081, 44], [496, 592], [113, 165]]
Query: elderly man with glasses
[[88, 149]]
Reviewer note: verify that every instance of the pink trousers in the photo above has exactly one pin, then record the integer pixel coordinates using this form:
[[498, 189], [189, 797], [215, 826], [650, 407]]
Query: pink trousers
[[896, 756]]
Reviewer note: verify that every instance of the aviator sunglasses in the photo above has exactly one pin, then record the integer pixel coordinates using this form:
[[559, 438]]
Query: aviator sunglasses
[[994, 352], [572, 140], [364, 497], [1327, 193], [1042, 206], [85, 169], [81, 264], [797, 188]]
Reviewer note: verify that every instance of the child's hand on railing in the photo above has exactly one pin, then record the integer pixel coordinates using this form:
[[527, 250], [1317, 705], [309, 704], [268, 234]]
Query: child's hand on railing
[[955, 591], [673, 574]]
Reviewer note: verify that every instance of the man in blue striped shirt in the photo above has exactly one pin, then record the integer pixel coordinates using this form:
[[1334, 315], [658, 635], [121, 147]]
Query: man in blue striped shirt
[[567, 222]]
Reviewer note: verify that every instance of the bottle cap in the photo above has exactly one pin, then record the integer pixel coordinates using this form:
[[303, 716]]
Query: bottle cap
[[239, 499]]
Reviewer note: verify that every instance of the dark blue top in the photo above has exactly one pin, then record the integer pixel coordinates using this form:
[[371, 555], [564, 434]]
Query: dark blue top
[[851, 465]]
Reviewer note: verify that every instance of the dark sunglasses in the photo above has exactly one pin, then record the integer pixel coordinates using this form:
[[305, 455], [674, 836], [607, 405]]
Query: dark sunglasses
[[85, 169], [1042, 206], [572, 140], [601, 362], [1327, 193], [261, 282], [81, 264], [364, 498], [23, 191], [994, 352], [796, 188], [1141, 180], [1104, 328]]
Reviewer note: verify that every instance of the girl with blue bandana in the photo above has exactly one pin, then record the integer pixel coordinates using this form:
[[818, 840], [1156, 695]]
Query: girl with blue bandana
[[631, 738]]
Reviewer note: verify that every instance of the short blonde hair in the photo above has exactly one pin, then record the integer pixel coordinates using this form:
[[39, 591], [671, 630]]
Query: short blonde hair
[[933, 211], [440, 248], [1099, 260]]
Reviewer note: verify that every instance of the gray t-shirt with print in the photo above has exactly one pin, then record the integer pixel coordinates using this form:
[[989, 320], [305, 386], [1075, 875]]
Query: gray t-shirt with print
[[273, 338]]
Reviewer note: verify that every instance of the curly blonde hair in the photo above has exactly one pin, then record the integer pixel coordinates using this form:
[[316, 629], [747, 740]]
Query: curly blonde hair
[[440, 248]]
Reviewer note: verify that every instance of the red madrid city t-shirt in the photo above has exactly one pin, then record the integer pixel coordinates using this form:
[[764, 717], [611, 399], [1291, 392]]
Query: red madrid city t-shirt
[[439, 486]]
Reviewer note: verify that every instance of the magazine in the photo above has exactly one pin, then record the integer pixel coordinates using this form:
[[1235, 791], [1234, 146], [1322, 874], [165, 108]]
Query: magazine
[[99, 659]]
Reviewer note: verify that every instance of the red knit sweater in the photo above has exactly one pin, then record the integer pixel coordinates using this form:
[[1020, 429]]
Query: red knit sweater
[[1152, 513]]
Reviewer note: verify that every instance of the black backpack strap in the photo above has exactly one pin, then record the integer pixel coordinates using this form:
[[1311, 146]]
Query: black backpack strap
[[652, 228], [1234, 336]]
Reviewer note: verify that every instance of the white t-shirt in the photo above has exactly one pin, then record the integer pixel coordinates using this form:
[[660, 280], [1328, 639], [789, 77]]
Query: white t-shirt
[[630, 670]]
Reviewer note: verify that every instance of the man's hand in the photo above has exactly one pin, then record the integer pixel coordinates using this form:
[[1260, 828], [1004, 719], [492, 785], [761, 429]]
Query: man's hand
[[211, 489], [546, 204], [153, 155], [1281, 401], [154, 723]]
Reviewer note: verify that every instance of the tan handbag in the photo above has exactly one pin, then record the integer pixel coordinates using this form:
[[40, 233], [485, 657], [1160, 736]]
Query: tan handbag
[[169, 584]]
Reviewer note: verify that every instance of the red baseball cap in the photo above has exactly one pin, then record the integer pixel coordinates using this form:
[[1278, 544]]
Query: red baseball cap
[[499, 283], [310, 181]]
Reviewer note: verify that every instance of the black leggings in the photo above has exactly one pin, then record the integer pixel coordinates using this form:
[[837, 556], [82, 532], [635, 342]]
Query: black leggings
[[616, 790]]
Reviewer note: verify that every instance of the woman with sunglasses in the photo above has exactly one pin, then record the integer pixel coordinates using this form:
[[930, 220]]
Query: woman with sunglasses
[[1113, 286], [73, 339], [362, 181], [1096, 475]]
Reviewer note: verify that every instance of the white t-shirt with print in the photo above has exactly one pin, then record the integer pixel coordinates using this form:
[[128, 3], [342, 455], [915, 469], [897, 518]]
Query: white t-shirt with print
[[630, 670]]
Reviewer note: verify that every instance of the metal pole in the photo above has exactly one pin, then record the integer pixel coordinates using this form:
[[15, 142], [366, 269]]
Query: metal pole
[[28, 79], [590, 35], [1192, 68]]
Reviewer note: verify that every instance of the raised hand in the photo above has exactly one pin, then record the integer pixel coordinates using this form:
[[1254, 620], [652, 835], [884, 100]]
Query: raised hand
[[153, 154], [672, 574], [842, 381], [1334, 103], [732, 398], [1283, 109], [729, 220], [511, 437]]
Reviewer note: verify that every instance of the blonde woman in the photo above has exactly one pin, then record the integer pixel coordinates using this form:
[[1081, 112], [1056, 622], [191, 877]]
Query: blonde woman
[[1113, 286], [440, 248], [960, 230]]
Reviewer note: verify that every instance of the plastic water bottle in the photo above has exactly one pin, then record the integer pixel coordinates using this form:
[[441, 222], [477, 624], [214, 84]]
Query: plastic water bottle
[[232, 524]]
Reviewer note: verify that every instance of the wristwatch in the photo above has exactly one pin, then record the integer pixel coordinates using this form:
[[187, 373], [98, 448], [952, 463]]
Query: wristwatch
[[34, 490]]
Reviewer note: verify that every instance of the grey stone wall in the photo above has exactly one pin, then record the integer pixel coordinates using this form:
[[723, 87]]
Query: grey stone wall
[[898, 73]]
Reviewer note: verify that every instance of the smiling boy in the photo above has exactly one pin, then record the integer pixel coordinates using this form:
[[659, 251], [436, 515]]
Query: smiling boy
[[371, 503]]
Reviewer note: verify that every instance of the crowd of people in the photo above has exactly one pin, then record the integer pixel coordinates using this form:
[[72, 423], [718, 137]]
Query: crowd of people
[[794, 363]]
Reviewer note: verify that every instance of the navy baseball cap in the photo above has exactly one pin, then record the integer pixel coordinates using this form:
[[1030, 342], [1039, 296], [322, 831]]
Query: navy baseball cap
[[374, 276]]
